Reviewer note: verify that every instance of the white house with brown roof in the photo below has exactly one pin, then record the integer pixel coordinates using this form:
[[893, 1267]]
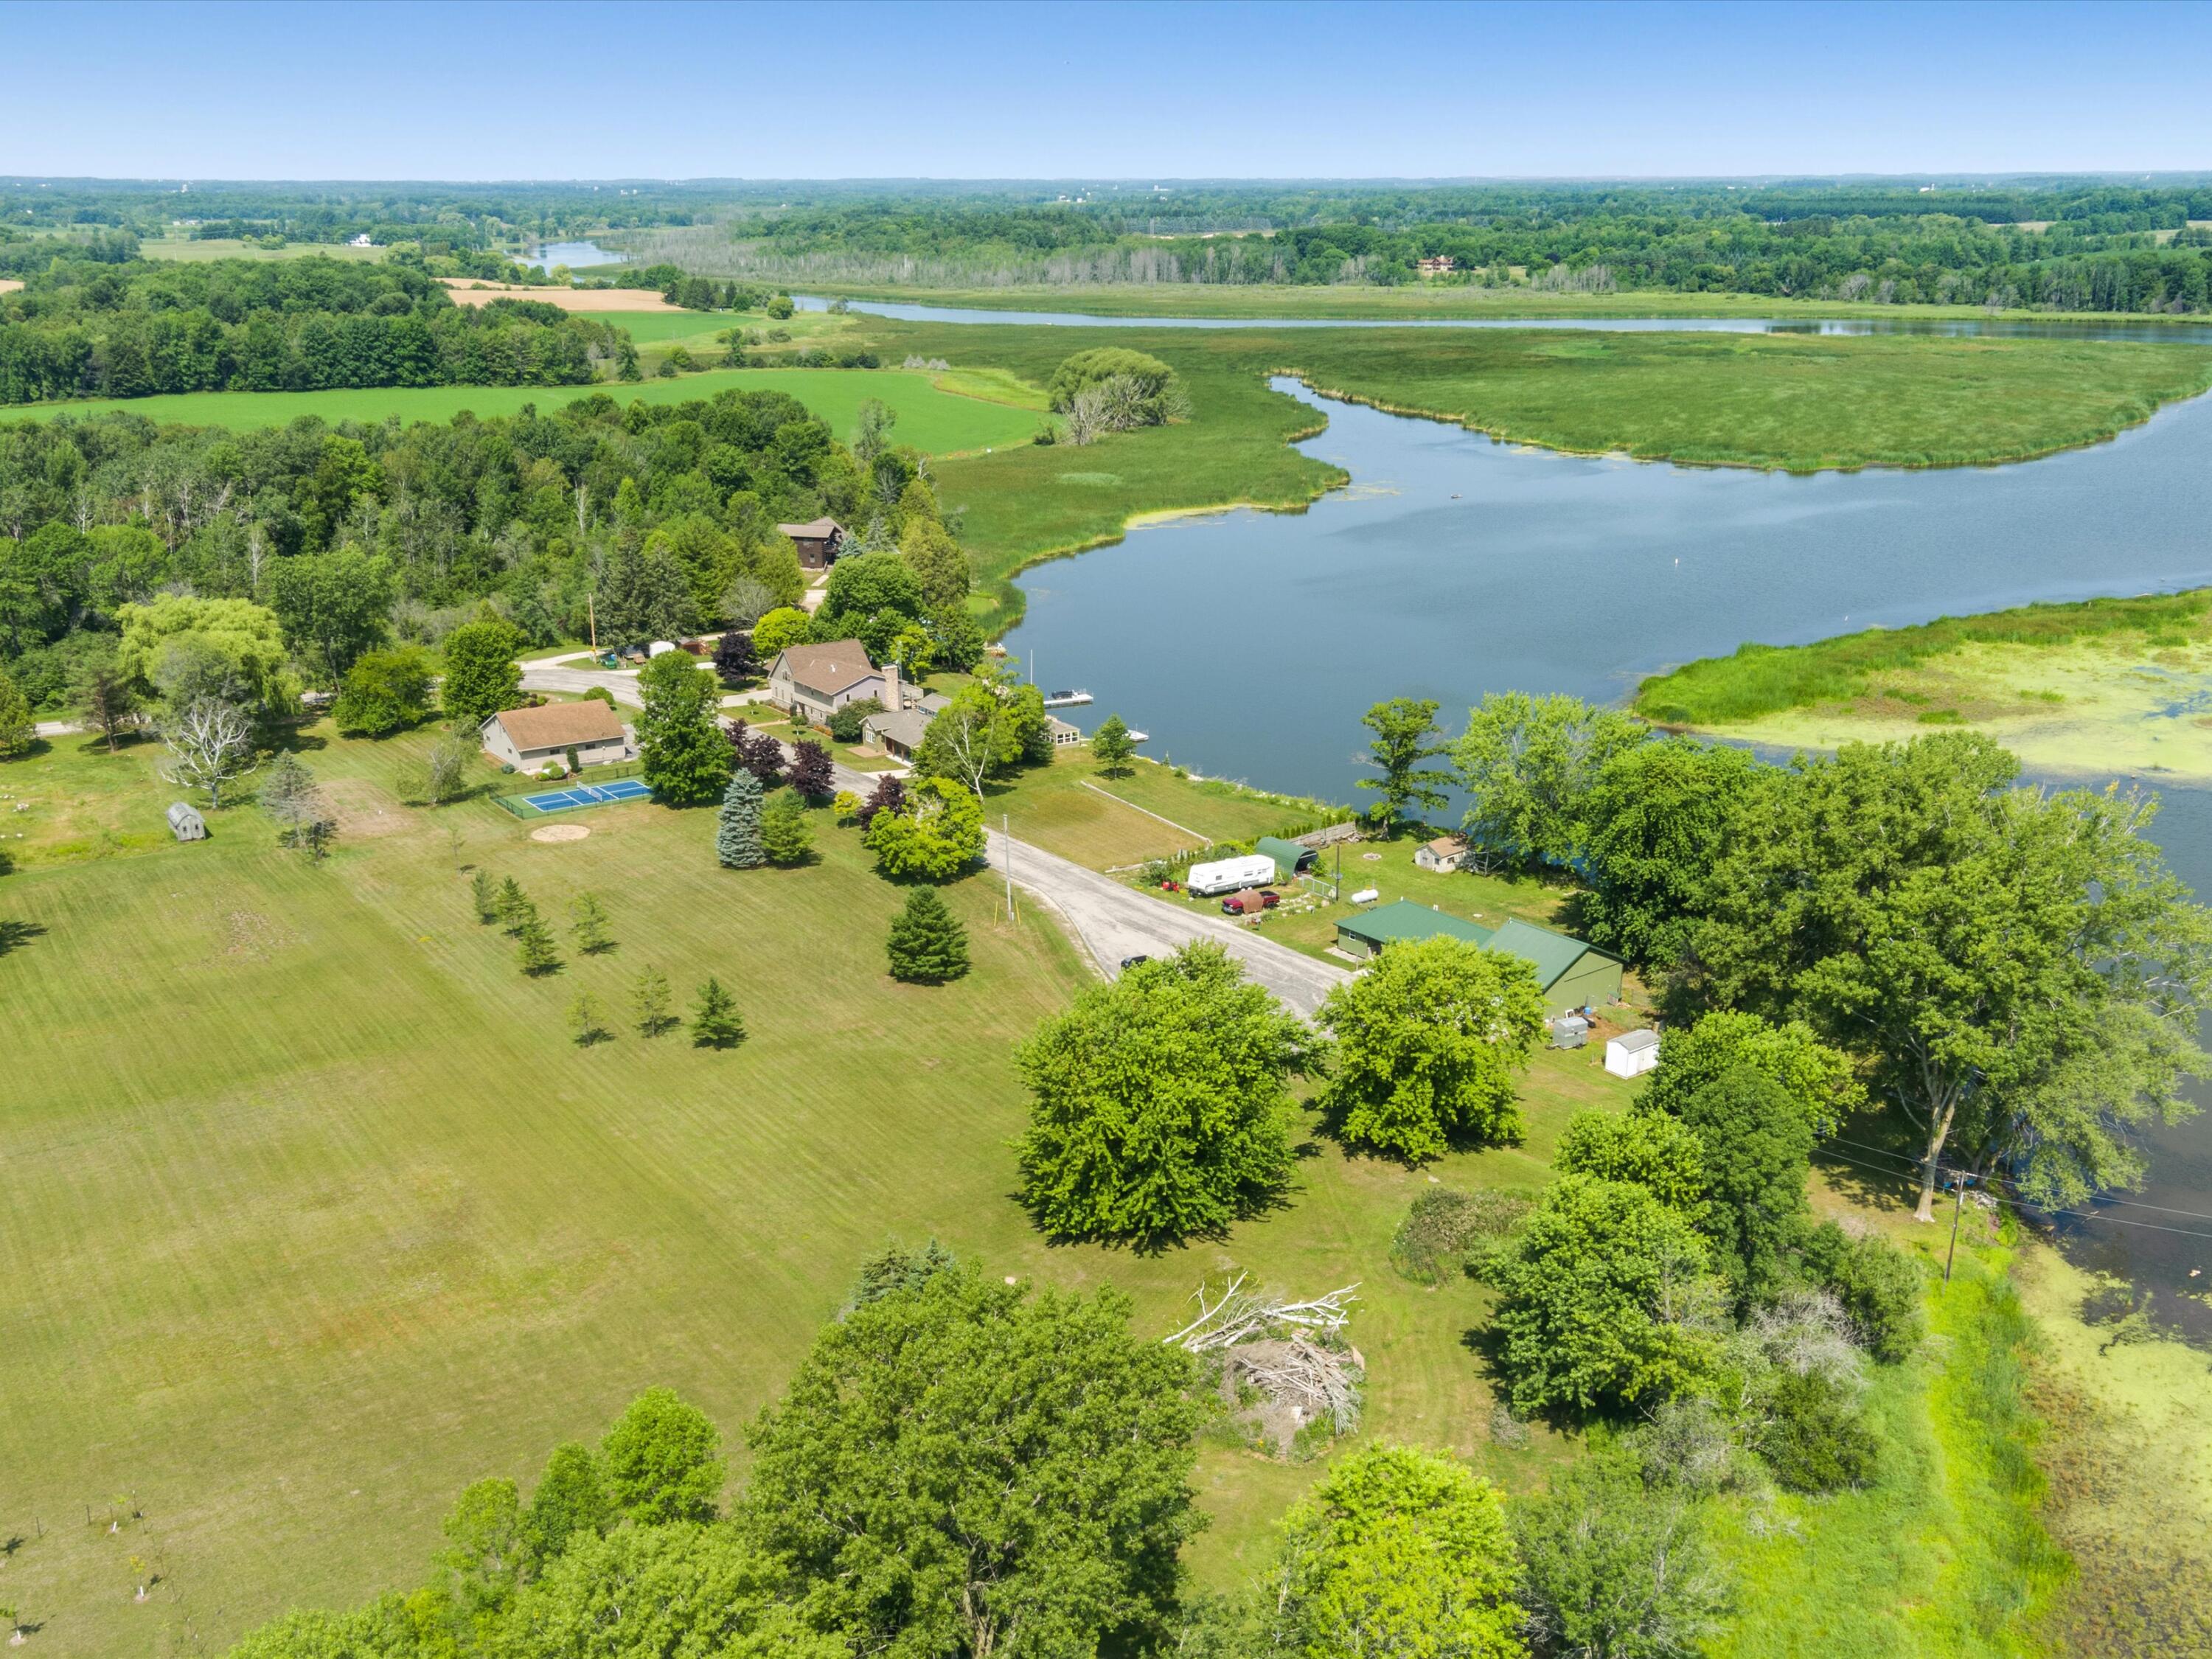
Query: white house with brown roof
[[818, 541], [530, 740], [817, 680]]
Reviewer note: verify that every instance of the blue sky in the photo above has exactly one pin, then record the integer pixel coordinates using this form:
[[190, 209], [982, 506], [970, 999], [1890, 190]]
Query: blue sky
[[528, 89]]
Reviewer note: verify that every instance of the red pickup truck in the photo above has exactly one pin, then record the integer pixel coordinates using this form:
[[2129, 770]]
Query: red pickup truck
[[1251, 901]]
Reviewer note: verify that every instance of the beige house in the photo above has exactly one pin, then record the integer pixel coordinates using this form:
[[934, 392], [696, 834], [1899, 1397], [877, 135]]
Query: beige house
[[817, 680], [530, 740]]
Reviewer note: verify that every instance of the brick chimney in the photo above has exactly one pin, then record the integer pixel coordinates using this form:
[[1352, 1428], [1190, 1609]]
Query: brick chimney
[[894, 693]]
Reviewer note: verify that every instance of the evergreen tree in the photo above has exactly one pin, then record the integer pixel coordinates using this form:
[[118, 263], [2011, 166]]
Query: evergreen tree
[[587, 924], [928, 945], [512, 907], [17, 728], [737, 836], [483, 893], [534, 946], [810, 772], [714, 1021], [651, 1003], [585, 1023], [784, 835], [1110, 744]]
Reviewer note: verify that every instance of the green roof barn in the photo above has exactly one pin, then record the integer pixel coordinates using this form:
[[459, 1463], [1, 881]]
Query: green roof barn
[[1570, 973]]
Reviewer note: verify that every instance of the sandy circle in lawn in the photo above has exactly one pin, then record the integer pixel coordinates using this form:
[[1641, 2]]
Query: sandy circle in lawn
[[561, 832]]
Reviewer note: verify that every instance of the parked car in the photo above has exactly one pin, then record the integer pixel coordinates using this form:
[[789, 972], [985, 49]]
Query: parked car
[[1129, 963], [1251, 903]]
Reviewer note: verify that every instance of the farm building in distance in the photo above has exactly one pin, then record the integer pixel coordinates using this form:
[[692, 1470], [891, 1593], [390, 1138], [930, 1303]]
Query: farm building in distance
[[819, 541], [1441, 264], [1570, 973], [530, 740], [186, 823]]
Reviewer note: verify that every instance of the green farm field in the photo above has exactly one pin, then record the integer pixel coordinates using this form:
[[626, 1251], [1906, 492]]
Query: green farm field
[[940, 422]]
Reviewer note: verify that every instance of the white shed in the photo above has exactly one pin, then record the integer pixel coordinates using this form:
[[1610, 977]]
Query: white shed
[[1631, 1054], [186, 823]]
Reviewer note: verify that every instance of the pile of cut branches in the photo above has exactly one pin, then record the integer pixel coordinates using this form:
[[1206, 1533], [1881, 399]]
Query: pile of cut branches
[[1284, 1364]]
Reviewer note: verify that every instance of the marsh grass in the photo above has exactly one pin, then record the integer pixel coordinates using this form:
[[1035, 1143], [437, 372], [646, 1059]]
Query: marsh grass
[[1759, 680]]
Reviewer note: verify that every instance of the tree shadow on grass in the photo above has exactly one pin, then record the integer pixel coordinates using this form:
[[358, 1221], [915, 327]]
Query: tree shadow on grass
[[16, 934]]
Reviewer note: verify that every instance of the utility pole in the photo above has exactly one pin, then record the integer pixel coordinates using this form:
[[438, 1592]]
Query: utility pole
[[1957, 1204], [591, 608], [1006, 836]]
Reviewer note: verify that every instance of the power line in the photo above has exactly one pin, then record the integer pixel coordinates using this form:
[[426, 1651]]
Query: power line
[[1998, 1198], [2130, 1203]]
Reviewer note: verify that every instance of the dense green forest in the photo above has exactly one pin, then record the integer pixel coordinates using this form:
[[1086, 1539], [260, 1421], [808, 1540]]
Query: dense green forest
[[89, 327], [2072, 246], [659, 521]]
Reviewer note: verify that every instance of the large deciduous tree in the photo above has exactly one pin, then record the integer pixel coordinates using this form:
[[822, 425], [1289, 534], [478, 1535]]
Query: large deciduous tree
[[1404, 728], [2019, 969], [1615, 1570], [662, 1461], [1606, 1300], [959, 1467], [481, 675], [1818, 1079], [384, 692], [1398, 1551], [17, 727], [1757, 1145], [210, 744], [686, 757], [1428, 1038], [1527, 765], [1160, 1103], [333, 606], [935, 834], [1656, 819]]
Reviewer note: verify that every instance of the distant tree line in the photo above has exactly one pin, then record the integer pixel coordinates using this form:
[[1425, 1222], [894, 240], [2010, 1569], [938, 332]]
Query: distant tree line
[[83, 327], [2069, 248]]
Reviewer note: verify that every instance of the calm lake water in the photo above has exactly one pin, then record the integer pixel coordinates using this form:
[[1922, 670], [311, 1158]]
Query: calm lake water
[[1958, 328], [577, 256], [1248, 643]]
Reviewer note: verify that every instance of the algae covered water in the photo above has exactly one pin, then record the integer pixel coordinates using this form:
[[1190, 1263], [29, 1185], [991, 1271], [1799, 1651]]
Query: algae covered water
[[1248, 643]]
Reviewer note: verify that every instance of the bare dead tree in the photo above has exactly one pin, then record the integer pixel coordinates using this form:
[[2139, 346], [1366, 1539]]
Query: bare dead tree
[[210, 743], [1239, 1316]]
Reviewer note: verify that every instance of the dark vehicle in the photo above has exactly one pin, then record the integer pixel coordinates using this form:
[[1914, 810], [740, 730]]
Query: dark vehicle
[[1251, 901], [1129, 963]]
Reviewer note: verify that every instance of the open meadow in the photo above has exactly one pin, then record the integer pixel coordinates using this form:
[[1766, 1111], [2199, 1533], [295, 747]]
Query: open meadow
[[331, 1216], [935, 421], [198, 251]]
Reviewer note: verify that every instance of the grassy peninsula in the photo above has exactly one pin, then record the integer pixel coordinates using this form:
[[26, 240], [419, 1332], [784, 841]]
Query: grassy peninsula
[[2104, 686]]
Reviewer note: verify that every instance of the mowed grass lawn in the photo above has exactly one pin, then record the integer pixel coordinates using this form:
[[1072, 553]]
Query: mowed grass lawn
[[317, 1214], [937, 422]]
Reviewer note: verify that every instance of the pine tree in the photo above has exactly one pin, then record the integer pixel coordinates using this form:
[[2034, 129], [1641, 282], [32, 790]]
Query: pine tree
[[784, 835], [587, 924], [585, 1023], [512, 905], [738, 838], [928, 946], [484, 891], [650, 1000], [811, 773], [534, 950], [714, 1021]]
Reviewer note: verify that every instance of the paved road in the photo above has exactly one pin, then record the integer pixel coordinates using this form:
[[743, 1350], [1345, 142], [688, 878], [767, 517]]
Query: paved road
[[1113, 921], [1107, 919]]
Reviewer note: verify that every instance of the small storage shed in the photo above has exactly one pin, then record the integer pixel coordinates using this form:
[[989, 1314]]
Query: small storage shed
[[1291, 859], [1443, 854], [1365, 933], [186, 823], [1570, 1031], [1631, 1054]]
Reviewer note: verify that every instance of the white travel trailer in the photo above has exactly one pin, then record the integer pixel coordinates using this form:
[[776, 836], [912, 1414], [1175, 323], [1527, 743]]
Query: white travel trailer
[[1227, 875]]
